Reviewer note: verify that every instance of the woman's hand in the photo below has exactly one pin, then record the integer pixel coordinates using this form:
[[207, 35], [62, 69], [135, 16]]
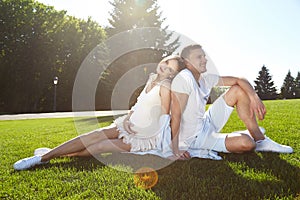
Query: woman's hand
[[128, 126]]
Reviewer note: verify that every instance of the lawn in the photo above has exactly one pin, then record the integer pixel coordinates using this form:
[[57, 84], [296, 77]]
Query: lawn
[[237, 176]]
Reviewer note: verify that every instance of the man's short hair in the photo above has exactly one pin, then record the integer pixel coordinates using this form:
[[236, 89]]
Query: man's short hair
[[185, 53]]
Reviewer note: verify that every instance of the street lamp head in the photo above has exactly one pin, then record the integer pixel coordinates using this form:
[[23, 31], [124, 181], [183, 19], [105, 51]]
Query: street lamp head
[[55, 80]]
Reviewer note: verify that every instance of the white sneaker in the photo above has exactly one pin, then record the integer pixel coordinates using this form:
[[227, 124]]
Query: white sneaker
[[269, 145], [41, 151], [27, 163]]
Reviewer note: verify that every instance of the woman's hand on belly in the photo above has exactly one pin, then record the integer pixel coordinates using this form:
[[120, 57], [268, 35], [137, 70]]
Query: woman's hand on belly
[[128, 126]]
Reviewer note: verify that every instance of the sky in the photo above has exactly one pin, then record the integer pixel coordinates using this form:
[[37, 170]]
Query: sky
[[240, 36]]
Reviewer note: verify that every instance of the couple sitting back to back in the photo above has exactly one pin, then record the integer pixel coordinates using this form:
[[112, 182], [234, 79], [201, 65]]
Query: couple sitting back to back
[[194, 131]]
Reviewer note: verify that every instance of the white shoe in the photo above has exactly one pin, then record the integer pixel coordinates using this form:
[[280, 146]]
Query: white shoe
[[41, 151], [269, 145], [27, 163]]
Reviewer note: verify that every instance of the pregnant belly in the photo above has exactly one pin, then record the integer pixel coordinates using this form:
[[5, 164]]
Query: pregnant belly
[[145, 129]]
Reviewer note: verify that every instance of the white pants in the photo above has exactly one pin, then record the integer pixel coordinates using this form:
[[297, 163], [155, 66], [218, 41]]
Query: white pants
[[216, 117]]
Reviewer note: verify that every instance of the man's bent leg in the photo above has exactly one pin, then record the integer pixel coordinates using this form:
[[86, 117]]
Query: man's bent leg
[[239, 143], [229, 143], [218, 114], [236, 96]]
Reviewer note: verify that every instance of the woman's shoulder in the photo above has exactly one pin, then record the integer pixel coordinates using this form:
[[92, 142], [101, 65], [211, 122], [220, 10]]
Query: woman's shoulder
[[152, 76], [165, 86], [166, 83]]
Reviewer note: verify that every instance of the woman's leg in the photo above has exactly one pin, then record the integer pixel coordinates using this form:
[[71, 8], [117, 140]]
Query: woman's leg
[[109, 145], [81, 142]]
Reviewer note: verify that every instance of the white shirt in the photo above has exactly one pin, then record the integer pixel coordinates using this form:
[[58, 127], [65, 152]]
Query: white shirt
[[192, 116]]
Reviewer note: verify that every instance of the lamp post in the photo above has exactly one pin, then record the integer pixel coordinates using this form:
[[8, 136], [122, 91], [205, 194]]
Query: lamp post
[[55, 81]]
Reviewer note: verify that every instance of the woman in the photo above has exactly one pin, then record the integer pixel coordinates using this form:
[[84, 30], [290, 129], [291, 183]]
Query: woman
[[140, 130]]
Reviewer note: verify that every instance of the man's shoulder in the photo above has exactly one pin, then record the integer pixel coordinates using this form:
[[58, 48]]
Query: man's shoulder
[[185, 72], [183, 75], [183, 82]]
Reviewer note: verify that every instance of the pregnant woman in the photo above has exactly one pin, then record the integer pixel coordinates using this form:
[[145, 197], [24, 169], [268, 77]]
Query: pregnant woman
[[139, 131]]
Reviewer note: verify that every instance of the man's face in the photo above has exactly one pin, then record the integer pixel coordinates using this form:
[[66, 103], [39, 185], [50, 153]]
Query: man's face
[[198, 60]]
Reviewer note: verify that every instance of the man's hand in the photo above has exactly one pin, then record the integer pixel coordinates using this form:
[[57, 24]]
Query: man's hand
[[257, 107], [184, 155], [180, 155]]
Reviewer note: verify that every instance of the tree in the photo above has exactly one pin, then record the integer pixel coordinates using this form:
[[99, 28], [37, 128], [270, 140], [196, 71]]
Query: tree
[[37, 43], [288, 89], [133, 14], [297, 82], [139, 23], [264, 85]]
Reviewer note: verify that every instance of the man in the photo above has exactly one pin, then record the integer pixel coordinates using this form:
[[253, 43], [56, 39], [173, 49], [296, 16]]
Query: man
[[195, 131]]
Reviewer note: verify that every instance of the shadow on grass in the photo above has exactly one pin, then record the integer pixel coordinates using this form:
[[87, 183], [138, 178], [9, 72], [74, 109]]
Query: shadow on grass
[[133, 161], [244, 176], [237, 176], [77, 164]]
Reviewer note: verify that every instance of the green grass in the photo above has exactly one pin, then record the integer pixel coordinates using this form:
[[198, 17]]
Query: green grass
[[237, 176]]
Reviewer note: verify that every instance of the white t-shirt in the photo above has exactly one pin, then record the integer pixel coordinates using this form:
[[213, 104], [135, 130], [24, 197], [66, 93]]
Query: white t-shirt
[[192, 116]]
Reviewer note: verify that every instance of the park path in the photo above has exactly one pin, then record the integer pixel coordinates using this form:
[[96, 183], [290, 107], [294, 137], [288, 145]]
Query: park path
[[63, 115]]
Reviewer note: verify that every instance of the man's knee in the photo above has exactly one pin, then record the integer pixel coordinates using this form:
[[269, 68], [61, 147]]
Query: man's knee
[[238, 143], [234, 94], [236, 90], [247, 144]]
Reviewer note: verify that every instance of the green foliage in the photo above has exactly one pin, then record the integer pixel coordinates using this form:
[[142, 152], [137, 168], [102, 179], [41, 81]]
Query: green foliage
[[135, 67], [264, 85], [288, 89], [138, 26], [237, 176], [134, 14], [37, 44], [216, 92], [297, 82]]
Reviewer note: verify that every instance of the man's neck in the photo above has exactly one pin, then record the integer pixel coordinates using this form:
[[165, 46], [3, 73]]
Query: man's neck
[[195, 73]]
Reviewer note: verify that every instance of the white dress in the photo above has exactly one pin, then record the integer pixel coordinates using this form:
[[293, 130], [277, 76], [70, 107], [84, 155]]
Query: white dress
[[145, 120]]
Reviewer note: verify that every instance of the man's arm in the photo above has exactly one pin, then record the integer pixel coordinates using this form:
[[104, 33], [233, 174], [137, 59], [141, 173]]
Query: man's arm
[[256, 104], [179, 101]]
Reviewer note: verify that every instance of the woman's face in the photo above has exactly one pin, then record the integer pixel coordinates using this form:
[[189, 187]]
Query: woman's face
[[167, 68]]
